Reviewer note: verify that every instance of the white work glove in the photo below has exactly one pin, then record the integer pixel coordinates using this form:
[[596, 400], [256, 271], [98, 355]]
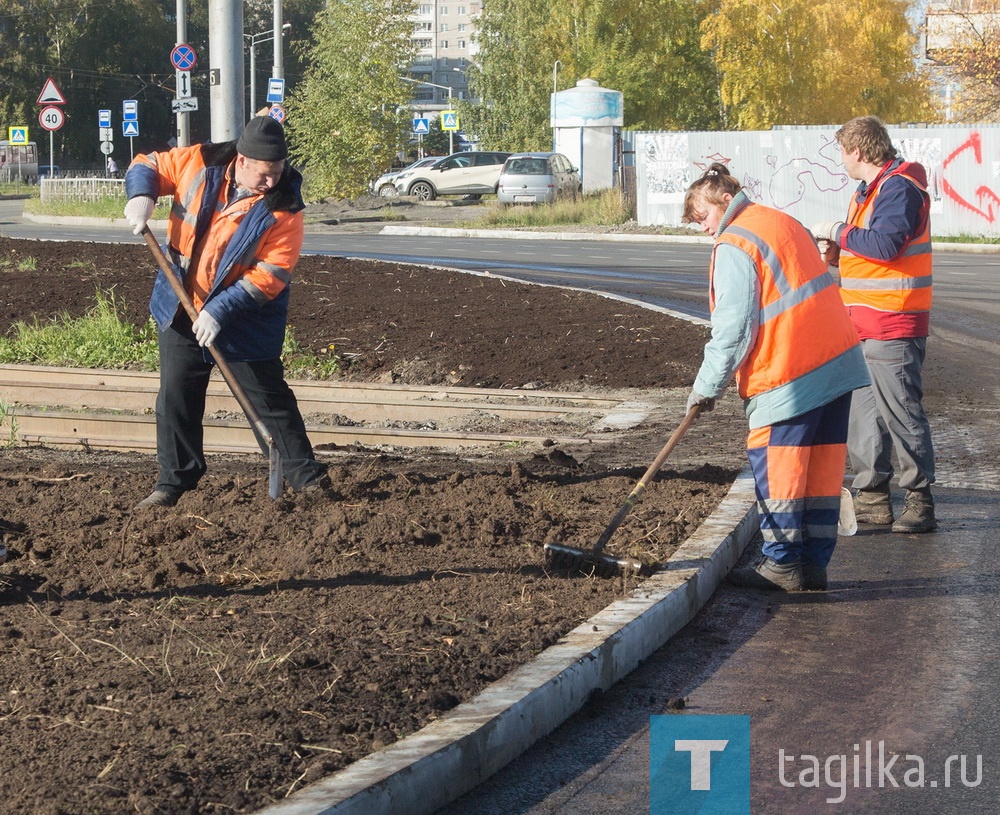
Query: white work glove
[[206, 329], [827, 230], [707, 402], [138, 211]]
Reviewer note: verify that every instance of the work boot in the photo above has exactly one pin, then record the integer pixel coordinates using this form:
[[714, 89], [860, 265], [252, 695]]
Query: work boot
[[813, 577], [918, 513], [769, 576], [158, 498], [873, 506]]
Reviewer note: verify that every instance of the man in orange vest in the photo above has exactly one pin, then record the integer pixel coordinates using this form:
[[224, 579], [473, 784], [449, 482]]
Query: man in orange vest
[[884, 252], [233, 238], [781, 331]]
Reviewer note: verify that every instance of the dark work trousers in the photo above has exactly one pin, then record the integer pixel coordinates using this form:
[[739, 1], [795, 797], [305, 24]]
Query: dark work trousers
[[180, 411]]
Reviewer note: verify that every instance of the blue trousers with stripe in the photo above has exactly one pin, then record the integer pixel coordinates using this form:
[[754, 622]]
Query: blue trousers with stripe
[[798, 469]]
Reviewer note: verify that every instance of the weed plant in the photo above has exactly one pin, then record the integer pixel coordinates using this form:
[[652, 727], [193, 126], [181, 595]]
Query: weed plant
[[103, 339], [604, 208]]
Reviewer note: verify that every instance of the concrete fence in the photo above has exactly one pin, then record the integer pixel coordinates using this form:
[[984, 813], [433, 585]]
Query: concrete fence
[[799, 170]]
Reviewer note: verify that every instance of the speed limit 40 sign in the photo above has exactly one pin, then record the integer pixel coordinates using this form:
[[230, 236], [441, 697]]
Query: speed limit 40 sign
[[51, 118]]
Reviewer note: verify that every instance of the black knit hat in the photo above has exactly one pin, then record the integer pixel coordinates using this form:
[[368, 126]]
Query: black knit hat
[[263, 139]]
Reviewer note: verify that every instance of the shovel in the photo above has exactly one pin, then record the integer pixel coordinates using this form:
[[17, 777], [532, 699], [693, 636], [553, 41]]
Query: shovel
[[276, 474], [569, 557]]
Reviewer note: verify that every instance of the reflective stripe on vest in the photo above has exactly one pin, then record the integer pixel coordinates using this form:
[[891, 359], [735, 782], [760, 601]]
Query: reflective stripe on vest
[[901, 285], [803, 323]]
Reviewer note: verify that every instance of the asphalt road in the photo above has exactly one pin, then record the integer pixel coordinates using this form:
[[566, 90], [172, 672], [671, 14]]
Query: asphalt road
[[903, 650]]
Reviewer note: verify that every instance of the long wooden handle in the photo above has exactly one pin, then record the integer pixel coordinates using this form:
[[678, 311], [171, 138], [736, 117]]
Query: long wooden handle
[[220, 360], [648, 476]]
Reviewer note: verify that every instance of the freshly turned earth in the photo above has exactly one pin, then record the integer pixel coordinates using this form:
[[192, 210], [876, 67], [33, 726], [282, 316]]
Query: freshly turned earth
[[221, 654]]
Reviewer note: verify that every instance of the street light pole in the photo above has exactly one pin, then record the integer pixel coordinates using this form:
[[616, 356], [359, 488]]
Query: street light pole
[[555, 89], [263, 36], [451, 133]]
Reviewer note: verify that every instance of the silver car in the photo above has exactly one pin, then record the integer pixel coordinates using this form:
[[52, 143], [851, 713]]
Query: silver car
[[384, 187], [534, 178]]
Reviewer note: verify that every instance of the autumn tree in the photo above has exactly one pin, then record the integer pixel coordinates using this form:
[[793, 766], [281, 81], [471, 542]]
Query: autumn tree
[[788, 62], [971, 55], [349, 116]]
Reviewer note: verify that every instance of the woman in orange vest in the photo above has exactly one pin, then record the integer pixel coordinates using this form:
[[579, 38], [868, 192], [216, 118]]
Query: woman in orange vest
[[780, 330]]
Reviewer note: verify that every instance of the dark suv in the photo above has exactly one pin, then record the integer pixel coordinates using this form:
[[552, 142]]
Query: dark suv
[[469, 173]]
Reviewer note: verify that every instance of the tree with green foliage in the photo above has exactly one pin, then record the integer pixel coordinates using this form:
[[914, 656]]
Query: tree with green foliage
[[650, 50], [348, 116], [801, 62], [512, 77], [98, 54]]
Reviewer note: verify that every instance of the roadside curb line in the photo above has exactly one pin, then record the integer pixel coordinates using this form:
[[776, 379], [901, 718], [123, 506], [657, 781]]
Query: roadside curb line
[[625, 237], [429, 769]]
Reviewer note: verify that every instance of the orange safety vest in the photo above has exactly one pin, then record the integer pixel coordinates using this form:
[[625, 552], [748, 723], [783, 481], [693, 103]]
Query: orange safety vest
[[803, 323], [902, 285]]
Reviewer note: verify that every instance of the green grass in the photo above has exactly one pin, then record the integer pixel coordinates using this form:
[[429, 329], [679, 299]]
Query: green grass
[[102, 339], [605, 208], [8, 425], [108, 207], [99, 339]]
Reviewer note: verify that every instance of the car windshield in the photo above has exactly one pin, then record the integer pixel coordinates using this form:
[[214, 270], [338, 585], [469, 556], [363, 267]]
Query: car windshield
[[528, 166]]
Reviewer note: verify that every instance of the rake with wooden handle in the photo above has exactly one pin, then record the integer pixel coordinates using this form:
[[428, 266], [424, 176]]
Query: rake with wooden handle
[[559, 556], [276, 479]]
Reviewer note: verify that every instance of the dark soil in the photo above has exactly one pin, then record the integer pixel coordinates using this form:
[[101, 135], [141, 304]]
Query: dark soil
[[222, 654]]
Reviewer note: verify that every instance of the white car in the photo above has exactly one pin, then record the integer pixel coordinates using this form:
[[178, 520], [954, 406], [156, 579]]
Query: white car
[[469, 173], [384, 187]]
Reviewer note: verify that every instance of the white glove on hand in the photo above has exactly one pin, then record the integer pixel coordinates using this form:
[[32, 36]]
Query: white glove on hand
[[138, 211], [827, 230], [707, 402], [206, 329]]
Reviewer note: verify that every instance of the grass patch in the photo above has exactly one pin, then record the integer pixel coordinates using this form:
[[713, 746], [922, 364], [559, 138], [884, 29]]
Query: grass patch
[[99, 339], [102, 339], [8, 425], [110, 207], [604, 208]]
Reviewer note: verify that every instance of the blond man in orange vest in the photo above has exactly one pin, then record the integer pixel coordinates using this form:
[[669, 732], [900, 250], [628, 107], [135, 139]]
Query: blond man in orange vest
[[884, 253], [781, 331]]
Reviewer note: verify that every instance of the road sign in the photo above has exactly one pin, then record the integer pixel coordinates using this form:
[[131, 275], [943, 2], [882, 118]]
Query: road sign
[[51, 118], [275, 90], [183, 57], [183, 84], [130, 110], [421, 127], [449, 120], [278, 113], [51, 95], [17, 135], [106, 134], [104, 118], [130, 129], [184, 105], [107, 147]]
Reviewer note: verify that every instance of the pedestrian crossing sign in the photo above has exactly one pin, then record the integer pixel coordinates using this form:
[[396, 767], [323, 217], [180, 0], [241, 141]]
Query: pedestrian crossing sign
[[17, 135], [421, 127], [449, 120]]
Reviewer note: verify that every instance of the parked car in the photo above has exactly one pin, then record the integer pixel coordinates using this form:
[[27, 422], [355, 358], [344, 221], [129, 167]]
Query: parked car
[[43, 171], [532, 178], [383, 185], [470, 173]]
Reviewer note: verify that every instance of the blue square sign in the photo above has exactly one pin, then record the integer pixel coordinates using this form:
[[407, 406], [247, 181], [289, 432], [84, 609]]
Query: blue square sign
[[699, 765]]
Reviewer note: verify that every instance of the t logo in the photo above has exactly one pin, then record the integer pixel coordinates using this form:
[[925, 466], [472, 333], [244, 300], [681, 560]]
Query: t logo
[[699, 764], [701, 759]]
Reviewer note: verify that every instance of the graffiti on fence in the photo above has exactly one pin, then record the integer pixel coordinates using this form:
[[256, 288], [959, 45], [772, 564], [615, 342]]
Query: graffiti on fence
[[985, 196]]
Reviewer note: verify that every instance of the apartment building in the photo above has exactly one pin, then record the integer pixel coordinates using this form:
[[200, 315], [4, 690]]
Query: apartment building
[[442, 31]]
